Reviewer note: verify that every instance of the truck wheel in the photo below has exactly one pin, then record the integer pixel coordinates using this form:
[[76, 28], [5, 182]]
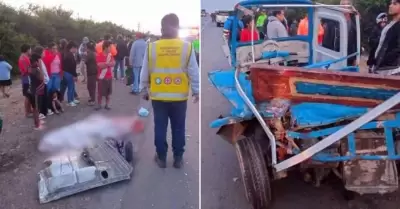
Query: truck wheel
[[218, 24], [255, 174], [128, 150]]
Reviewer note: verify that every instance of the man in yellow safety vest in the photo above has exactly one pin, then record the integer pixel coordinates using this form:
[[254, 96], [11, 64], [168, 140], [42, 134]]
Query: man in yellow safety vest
[[169, 70]]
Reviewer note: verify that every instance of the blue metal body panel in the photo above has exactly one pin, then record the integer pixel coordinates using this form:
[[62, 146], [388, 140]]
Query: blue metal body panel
[[388, 126]]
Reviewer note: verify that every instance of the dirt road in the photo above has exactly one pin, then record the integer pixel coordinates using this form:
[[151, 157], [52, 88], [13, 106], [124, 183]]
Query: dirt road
[[151, 187]]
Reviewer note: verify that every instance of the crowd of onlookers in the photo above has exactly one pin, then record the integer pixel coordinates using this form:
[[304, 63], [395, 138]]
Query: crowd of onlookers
[[384, 41], [49, 73]]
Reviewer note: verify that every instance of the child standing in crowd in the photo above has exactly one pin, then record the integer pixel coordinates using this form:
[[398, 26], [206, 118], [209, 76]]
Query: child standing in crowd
[[36, 89], [44, 108], [5, 77], [91, 70], [105, 62], [23, 65]]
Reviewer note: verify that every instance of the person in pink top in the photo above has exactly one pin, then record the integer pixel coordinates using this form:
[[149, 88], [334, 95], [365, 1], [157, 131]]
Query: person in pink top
[[52, 60], [105, 62]]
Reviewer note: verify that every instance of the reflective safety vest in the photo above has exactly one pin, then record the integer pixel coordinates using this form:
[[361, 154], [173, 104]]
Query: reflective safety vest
[[168, 63]]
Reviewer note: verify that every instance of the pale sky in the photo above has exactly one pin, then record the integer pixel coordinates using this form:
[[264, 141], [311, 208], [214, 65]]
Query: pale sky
[[213, 5], [127, 13]]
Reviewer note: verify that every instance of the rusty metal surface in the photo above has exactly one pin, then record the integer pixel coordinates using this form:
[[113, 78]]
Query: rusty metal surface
[[68, 175], [270, 82], [232, 132], [370, 176]]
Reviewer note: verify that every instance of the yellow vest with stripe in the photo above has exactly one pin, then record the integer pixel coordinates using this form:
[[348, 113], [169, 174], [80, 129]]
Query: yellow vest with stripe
[[168, 63]]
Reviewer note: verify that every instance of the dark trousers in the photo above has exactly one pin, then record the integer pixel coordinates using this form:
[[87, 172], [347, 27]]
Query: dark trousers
[[119, 64], [46, 101], [91, 86], [63, 88], [176, 113]]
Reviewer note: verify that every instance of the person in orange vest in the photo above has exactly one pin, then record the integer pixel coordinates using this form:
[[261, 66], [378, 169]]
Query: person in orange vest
[[303, 29], [99, 46]]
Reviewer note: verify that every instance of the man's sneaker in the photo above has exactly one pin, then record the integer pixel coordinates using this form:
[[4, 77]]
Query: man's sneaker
[[49, 112], [178, 162], [41, 116], [161, 163], [76, 101], [107, 107], [72, 104], [98, 107]]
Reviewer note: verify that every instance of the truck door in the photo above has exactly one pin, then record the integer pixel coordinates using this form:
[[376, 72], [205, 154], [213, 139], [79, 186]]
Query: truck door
[[335, 45]]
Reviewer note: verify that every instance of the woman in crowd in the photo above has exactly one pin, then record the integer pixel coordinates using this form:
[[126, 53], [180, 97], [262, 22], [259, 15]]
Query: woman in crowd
[[63, 50], [91, 71], [5, 77], [69, 69], [43, 109], [249, 30], [52, 60]]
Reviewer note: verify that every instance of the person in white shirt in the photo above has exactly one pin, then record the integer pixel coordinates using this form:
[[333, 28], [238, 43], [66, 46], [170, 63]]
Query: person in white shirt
[[45, 109]]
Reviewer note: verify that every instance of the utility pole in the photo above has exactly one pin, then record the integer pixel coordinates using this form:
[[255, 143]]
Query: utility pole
[[138, 27]]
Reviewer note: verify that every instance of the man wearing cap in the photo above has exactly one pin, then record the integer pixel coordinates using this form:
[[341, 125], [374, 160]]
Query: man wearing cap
[[387, 55], [136, 57], [169, 70], [82, 52]]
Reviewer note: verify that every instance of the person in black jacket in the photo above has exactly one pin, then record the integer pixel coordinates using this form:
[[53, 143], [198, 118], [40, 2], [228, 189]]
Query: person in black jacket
[[373, 40], [122, 52], [387, 55], [70, 75]]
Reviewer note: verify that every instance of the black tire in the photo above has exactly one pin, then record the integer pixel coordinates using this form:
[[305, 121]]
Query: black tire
[[128, 151], [218, 25], [255, 174]]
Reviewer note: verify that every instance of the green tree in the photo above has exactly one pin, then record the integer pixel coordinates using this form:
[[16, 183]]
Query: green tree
[[41, 25]]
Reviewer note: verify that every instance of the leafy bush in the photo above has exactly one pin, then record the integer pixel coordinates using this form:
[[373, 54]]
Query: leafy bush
[[39, 25]]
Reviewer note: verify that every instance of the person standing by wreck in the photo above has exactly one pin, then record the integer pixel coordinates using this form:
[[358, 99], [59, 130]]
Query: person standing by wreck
[[23, 65], [169, 70], [105, 62], [91, 70], [70, 74], [82, 52], [387, 55], [136, 57]]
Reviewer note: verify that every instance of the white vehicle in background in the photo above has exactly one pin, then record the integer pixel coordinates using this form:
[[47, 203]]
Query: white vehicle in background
[[221, 17]]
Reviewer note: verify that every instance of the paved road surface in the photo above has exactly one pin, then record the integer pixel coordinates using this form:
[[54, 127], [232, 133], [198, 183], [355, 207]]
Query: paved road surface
[[221, 181], [150, 188]]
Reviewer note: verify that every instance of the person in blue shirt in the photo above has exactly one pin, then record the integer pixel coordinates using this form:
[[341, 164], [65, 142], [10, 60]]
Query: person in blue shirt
[[228, 28], [5, 77]]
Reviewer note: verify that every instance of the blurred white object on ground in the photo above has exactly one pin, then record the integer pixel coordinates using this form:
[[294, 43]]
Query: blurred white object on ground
[[143, 112], [86, 133]]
